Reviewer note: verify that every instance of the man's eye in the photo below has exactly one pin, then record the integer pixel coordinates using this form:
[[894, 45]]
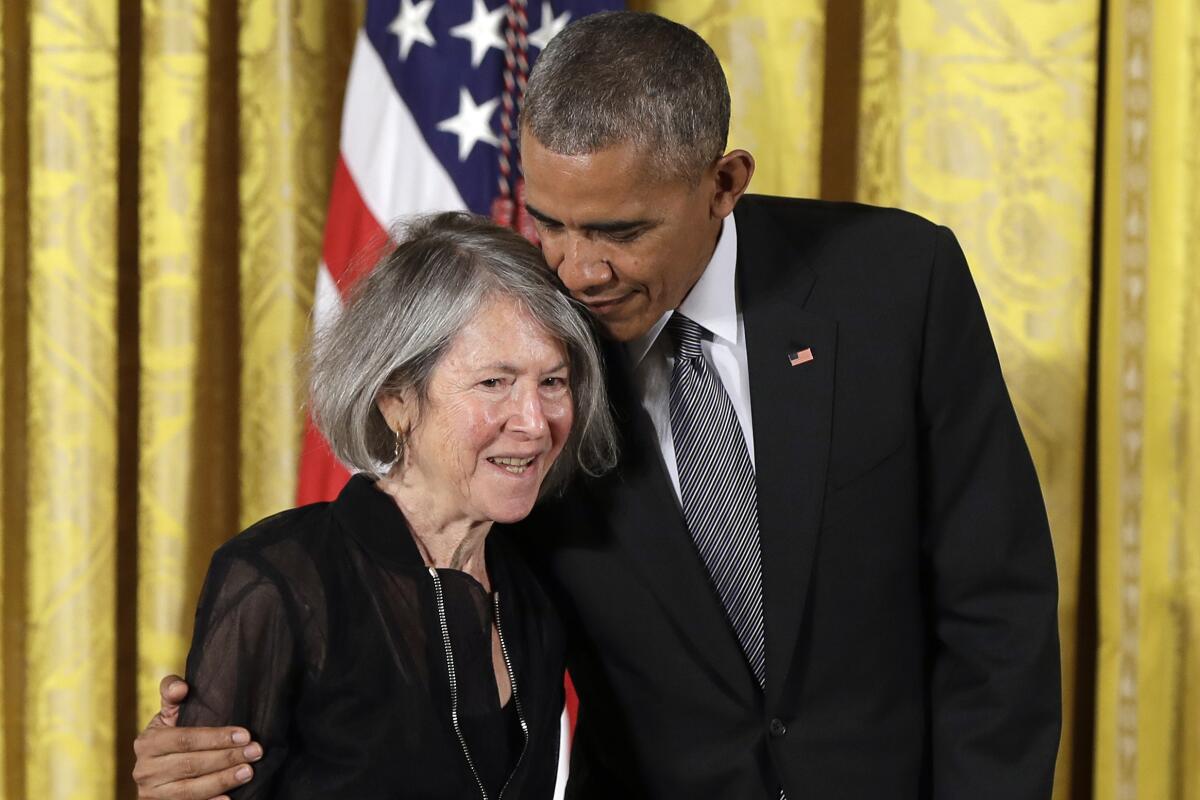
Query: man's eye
[[491, 383], [624, 236]]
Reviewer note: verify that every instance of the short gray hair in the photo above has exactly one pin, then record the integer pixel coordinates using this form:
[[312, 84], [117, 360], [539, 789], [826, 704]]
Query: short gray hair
[[625, 76], [402, 317]]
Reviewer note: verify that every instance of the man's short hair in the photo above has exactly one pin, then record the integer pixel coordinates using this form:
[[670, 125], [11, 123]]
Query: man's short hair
[[624, 76]]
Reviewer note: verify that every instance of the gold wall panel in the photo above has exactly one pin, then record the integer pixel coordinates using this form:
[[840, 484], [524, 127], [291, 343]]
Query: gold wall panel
[[980, 115], [1148, 692], [71, 389], [774, 58]]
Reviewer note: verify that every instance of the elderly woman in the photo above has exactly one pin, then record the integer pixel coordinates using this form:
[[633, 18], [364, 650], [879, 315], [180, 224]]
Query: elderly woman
[[384, 644]]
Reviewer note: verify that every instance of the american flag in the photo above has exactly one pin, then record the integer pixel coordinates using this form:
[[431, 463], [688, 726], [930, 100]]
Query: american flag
[[428, 124]]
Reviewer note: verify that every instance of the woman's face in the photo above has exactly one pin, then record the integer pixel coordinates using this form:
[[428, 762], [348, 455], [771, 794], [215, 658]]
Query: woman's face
[[498, 413]]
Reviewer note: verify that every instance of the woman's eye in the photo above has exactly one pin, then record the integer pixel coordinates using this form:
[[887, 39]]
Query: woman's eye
[[557, 382], [491, 383]]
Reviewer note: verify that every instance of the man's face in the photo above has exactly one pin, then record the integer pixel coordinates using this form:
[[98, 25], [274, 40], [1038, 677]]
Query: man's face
[[628, 245]]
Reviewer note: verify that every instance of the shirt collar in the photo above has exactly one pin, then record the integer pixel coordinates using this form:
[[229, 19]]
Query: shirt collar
[[712, 301]]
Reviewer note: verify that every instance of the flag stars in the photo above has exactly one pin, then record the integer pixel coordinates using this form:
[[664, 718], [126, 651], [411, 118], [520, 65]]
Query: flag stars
[[411, 27], [551, 26], [471, 124], [482, 31]]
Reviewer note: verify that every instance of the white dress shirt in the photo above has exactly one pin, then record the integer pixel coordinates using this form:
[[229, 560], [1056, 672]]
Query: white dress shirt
[[712, 303]]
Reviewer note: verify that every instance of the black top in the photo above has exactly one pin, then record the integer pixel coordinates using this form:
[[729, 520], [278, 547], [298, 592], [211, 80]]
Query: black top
[[318, 629]]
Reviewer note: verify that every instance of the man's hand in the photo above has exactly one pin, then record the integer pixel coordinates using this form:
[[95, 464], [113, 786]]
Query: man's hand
[[189, 763]]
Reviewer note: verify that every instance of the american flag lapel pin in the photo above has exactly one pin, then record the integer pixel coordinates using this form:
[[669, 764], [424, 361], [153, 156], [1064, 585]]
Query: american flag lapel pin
[[800, 357]]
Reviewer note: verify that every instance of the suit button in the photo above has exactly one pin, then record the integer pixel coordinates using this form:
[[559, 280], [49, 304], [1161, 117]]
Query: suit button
[[777, 728]]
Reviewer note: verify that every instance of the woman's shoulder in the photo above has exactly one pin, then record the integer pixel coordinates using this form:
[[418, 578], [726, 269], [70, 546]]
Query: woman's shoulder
[[285, 549]]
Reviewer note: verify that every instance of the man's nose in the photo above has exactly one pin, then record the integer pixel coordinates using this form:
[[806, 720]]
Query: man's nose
[[582, 266]]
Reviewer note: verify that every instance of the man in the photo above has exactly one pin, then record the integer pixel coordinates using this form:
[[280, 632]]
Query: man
[[823, 567]]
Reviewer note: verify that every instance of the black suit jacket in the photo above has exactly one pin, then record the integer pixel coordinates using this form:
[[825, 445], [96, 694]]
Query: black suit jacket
[[908, 579]]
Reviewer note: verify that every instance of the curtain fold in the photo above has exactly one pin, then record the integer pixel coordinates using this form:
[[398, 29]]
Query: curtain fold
[[1148, 693], [980, 115], [171, 225], [293, 64], [71, 388]]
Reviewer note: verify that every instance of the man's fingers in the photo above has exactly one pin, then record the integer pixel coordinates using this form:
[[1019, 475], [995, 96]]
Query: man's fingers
[[179, 766], [202, 788], [211, 785], [161, 740]]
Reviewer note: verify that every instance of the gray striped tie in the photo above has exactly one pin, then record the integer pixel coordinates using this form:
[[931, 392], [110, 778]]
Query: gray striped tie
[[716, 481]]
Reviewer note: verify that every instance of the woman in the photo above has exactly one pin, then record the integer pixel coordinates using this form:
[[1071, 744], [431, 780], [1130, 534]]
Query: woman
[[385, 645]]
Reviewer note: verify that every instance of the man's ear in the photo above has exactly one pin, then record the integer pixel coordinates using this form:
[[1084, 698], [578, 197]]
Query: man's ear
[[731, 175]]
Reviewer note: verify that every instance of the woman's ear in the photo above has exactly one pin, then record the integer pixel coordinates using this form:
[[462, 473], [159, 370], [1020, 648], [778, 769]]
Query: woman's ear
[[398, 411]]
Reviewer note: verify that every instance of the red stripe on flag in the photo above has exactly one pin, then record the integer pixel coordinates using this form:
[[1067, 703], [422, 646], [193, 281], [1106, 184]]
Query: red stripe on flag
[[321, 476], [354, 239]]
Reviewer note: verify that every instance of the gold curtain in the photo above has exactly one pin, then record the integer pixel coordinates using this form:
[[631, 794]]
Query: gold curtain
[[70, 563], [165, 174], [165, 166], [1148, 693]]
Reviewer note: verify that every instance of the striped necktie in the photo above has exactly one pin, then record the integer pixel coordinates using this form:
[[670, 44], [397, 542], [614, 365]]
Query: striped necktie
[[716, 482]]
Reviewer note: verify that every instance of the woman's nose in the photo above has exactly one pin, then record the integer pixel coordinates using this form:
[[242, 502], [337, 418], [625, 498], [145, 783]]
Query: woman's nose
[[528, 416]]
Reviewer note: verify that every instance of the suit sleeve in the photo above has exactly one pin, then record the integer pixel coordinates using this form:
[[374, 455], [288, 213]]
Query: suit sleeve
[[995, 682], [242, 666]]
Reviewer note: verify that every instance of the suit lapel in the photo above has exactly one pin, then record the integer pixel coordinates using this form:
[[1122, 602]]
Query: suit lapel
[[792, 412], [643, 513]]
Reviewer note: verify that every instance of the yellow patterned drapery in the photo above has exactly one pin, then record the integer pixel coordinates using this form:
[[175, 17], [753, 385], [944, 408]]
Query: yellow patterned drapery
[[981, 116], [1148, 690], [70, 617], [239, 133], [171, 200], [164, 178], [165, 172]]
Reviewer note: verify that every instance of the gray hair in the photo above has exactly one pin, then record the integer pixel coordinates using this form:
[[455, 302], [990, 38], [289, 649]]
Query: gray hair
[[402, 317], [625, 76]]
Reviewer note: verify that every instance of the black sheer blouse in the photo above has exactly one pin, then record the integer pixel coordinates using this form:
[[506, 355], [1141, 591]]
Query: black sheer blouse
[[320, 630]]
